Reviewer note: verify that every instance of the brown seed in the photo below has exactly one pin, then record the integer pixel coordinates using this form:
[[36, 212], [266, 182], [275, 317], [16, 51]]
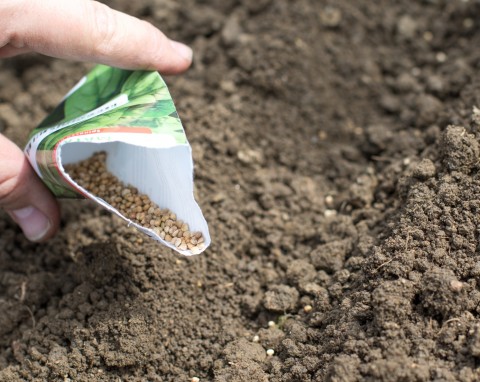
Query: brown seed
[[195, 250]]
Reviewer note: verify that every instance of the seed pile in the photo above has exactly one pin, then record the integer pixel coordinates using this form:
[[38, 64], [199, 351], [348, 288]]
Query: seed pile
[[92, 174]]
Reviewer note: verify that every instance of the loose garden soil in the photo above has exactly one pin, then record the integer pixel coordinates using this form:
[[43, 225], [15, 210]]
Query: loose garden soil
[[336, 149]]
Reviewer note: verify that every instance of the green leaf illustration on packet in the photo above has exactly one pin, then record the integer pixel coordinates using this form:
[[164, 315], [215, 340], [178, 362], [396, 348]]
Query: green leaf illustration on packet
[[129, 117]]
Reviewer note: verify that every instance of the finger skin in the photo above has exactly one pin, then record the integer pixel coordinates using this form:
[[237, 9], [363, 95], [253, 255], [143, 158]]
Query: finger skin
[[86, 30], [20, 187]]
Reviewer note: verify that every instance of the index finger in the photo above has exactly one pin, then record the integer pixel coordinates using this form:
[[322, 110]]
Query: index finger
[[86, 30]]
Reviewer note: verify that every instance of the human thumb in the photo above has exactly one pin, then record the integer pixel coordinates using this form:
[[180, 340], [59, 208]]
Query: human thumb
[[22, 194]]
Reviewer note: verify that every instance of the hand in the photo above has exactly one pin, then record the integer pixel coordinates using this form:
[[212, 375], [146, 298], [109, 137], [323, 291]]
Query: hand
[[81, 30]]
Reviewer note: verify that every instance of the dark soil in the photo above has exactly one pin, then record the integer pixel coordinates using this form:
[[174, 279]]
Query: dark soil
[[337, 154]]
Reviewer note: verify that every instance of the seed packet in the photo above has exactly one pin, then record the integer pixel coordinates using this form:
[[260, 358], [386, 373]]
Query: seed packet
[[129, 115]]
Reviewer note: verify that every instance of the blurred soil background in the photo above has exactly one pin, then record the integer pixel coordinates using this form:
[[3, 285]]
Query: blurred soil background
[[336, 149]]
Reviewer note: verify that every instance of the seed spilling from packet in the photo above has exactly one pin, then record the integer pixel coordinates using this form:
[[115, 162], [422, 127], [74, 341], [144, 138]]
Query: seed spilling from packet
[[92, 174]]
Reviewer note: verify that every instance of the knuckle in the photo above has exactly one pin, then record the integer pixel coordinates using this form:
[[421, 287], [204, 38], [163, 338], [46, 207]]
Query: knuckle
[[11, 13], [104, 27], [159, 42], [9, 186]]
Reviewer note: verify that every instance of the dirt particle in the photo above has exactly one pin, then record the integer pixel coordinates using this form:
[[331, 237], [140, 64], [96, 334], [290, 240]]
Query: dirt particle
[[440, 295], [401, 368], [312, 288], [281, 298], [344, 367], [407, 26], [330, 17], [379, 138], [474, 341], [231, 31], [330, 256], [390, 104], [243, 350], [428, 109], [297, 330], [424, 170], [300, 271], [249, 156], [271, 337], [392, 302], [241, 372], [460, 149]]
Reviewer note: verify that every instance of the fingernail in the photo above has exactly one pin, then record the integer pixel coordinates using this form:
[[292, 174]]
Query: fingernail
[[182, 50], [35, 225]]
